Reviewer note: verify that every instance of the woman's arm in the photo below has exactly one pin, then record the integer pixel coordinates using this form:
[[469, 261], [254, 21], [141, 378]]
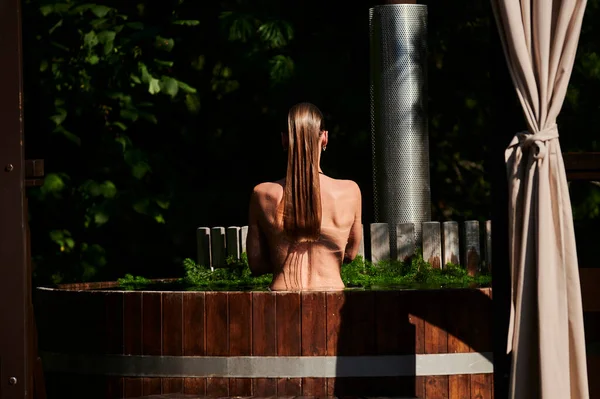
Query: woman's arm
[[257, 247], [356, 230]]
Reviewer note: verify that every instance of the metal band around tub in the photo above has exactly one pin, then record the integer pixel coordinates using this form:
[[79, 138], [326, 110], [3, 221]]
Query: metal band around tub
[[270, 366]]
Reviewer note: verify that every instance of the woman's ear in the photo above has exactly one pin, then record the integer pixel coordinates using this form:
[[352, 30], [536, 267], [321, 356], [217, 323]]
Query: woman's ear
[[324, 138]]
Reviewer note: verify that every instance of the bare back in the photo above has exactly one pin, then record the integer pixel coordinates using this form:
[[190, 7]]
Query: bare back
[[305, 265]]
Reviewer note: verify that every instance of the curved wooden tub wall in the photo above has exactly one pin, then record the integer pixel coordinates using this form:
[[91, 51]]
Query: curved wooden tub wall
[[111, 344]]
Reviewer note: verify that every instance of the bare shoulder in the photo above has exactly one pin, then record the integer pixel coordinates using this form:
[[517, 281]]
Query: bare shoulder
[[348, 188], [268, 191]]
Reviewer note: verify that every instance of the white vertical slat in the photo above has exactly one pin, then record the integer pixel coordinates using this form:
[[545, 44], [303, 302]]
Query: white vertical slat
[[432, 244], [488, 245], [405, 241], [451, 243], [217, 247], [233, 242], [380, 242], [203, 246], [361, 248], [472, 248], [243, 237]]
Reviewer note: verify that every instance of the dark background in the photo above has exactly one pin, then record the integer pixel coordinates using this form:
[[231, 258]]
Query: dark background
[[134, 165]]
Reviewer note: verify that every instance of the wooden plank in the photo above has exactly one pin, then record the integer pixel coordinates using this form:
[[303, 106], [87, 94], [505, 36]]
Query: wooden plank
[[394, 336], [152, 323], [194, 336], [240, 337], [151, 386], [314, 337], [217, 338], [203, 247], [354, 336], [458, 328], [415, 318], [243, 237], [488, 245], [114, 331], [432, 244], [472, 248], [217, 246], [172, 385], [132, 322], [172, 335], [436, 341], [194, 386], [233, 242], [288, 331], [451, 243], [133, 387], [380, 242], [405, 241], [480, 320], [264, 339]]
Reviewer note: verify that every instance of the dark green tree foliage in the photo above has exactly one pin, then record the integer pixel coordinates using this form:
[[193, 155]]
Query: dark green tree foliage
[[155, 118]]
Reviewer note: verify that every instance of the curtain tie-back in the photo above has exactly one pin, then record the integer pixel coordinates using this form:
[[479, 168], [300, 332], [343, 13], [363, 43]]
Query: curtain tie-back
[[527, 140]]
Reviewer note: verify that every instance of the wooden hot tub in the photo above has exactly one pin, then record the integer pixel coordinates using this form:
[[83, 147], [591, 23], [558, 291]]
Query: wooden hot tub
[[111, 344]]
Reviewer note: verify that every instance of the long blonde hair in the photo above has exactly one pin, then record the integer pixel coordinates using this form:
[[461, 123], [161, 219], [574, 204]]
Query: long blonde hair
[[302, 195]]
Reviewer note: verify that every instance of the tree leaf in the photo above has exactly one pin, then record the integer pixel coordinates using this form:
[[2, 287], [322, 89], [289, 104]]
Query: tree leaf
[[169, 86], [135, 25], [165, 44], [90, 39], [154, 86], [187, 22], [185, 87], [164, 63], [106, 36], [57, 25], [47, 9], [100, 11]]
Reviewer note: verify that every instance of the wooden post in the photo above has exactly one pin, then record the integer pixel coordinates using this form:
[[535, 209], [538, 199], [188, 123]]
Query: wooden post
[[15, 276], [380, 242], [217, 246], [405, 241], [203, 247], [472, 249], [432, 244], [451, 244], [233, 242]]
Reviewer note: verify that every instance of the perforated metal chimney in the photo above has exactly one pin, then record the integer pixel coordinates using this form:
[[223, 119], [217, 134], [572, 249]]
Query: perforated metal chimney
[[399, 130]]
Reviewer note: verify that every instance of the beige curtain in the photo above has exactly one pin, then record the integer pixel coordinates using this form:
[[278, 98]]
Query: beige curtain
[[546, 331]]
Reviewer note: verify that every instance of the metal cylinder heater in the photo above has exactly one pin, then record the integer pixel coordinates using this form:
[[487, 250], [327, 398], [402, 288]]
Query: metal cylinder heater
[[399, 131]]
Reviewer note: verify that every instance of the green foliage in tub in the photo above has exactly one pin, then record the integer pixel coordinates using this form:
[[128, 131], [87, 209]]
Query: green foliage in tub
[[237, 274], [131, 282], [360, 273], [416, 273]]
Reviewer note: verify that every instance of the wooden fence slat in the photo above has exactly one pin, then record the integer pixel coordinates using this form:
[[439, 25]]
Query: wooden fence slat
[[217, 246], [172, 336], [203, 246], [380, 242], [233, 242], [240, 337], [314, 337], [436, 341], [472, 249], [264, 339], [405, 241], [432, 244], [287, 321], [451, 244], [194, 337], [217, 338], [243, 237], [488, 245], [361, 248]]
